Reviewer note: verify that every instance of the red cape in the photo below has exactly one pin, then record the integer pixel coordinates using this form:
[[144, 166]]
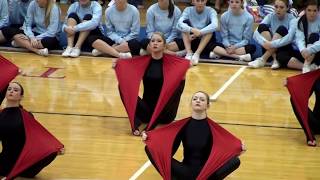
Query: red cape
[[300, 87], [130, 74], [39, 144], [8, 71], [224, 147]]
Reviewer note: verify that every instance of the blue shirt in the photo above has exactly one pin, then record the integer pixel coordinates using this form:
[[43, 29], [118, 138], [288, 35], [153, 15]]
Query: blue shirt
[[274, 23], [4, 14], [122, 25], [206, 21], [157, 20], [36, 17], [93, 9], [236, 29], [18, 11], [313, 27]]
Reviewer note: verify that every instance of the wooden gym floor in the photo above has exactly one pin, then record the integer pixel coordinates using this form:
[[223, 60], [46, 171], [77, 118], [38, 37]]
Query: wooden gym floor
[[78, 101]]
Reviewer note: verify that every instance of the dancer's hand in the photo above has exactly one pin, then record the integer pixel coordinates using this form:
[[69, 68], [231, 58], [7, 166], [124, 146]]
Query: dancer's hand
[[144, 136], [62, 151]]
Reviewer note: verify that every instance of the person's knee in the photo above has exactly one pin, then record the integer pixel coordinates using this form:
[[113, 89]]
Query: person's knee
[[87, 17], [263, 28], [73, 16], [313, 38], [282, 31]]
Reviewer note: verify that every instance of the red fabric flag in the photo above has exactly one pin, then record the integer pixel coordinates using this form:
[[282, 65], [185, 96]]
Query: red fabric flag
[[8, 71], [300, 87], [39, 144], [160, 142], [130, 73]]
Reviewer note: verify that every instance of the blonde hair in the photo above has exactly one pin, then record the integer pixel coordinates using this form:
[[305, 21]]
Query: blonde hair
[[50, 4]]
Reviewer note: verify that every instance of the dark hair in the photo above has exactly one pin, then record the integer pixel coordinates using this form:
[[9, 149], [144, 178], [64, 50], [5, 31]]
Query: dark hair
[[206, 94], [170, 9], [303, 22], [22, 90]]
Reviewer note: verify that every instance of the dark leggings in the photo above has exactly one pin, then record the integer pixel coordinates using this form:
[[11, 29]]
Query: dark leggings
[[313, 116], [168, 113], [36, 168], [95, 32], [181, 171], [9, 31], [285, 55]]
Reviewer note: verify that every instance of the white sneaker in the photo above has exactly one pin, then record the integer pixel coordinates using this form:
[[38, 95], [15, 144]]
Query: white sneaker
[[213, 55], [257, 63], [313, 67], [306, 68], [43, 52], [275, 64], [189, 56], [195, 59], [67, 52], [181, 53], [75, 52], [14, 44], [143, 52], [96, 52], [125, 55], [245, 57]]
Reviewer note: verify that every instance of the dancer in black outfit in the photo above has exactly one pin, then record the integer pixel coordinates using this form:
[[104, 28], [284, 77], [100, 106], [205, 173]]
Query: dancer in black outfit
[[313, 116], [153, 81], [12, 133], [196, 138]]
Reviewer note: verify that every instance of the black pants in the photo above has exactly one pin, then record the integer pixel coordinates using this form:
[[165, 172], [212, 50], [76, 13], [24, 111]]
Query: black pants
[[181, 171], [9, 31], [313, 116], [168, 113], [87, 44], [286, 53]]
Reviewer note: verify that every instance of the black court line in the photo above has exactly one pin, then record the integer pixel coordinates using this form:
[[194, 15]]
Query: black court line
[[125, 117]]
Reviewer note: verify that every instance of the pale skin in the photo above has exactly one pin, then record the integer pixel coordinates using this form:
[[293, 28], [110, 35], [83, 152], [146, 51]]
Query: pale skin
[[32, 44], [199, 105], [13, 99], [231, 51], [311, 14], [115, 49], [280, 9], [171, 47], [196, 33], [70, 29]]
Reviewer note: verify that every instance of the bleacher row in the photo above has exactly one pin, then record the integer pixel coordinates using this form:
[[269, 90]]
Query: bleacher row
[[87, 51]]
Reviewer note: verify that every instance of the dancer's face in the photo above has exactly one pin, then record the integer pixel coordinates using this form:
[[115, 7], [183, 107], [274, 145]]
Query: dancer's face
[[199, 102], [157, 43], [14, 92]]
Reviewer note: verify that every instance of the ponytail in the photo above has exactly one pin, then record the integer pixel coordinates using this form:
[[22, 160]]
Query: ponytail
[[303, 26], [170, 9]]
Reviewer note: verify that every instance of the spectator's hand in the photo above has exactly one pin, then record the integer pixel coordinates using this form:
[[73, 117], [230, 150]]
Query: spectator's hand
[[35, 43], [192, 37], [305, 54], [267, 45], [231, 49], [196, 32], [70, 30]]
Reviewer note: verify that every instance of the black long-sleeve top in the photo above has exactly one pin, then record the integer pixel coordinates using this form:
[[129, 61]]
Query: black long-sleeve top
[[152, 82], [12, 137], [197, 142]]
